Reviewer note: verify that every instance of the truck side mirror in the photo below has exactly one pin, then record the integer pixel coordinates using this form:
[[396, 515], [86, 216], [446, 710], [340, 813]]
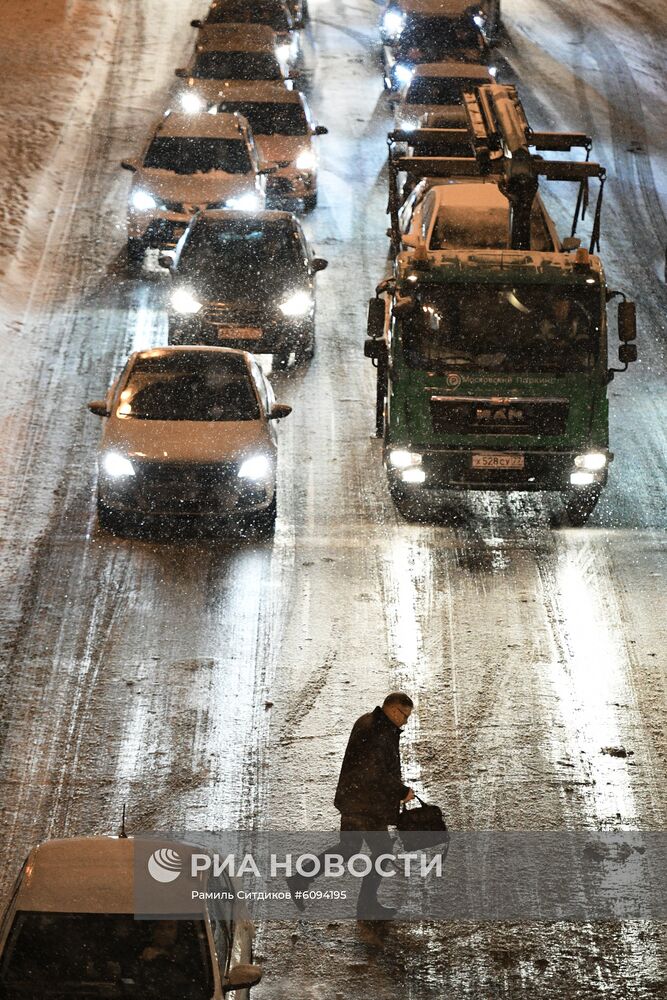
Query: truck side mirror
[[627, 353], [375, 348], [375, 322], [627, 321]]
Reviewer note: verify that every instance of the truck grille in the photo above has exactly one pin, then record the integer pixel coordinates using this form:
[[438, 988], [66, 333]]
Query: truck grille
[[469, 415]]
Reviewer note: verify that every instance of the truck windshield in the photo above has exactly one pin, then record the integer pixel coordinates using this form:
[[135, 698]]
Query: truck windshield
[[105, 955], [436, 36], [504, 328], [434, 90]]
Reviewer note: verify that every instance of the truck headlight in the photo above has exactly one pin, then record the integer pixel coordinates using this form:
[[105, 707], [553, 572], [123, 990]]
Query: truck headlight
[[413, 475], [117, 465], [306, 160], [183, 301], [255, 468], [582, 478], [592, 461], [143, 201], [298, 304], [399, 458], [248, 202], [192, 104]]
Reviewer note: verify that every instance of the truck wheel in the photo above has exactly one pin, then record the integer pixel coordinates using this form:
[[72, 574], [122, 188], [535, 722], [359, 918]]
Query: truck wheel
[[580, 504]]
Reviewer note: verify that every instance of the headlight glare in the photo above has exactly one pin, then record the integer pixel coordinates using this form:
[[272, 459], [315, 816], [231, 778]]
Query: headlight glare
[[403, 73], [255, 468], [117, 465], [399, 458], [191, 103], [143, 201], [248, 202], [183, 301], [592, 461], [393, 23], [298, 304], [306, 160], [413, 475], [582, 478]]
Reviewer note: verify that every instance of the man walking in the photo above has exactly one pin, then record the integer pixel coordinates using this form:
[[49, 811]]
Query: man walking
[[369, 796]]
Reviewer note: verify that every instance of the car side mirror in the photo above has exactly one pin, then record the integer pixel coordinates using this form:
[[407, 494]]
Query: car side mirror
[[319, 264], [375, 322], [627, 321], [242, 977], [197, 23], [266, 171], [128, 165], [165, 260], [320, 130], [181, 72], [99, 408], [278, 411], [627, 353]]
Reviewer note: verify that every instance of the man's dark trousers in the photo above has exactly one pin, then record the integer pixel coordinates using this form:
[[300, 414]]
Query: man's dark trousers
[[354, 830]]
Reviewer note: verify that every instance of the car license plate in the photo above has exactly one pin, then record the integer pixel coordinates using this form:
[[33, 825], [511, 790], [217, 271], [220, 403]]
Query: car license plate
[[239, 333], [496, 460]]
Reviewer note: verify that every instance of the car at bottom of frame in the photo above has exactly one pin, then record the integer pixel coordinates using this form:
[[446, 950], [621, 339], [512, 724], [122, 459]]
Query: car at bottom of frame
[[246, 280], [70, 929], [190, 432]]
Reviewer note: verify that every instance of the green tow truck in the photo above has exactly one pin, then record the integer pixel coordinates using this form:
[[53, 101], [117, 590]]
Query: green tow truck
[[492, 368]]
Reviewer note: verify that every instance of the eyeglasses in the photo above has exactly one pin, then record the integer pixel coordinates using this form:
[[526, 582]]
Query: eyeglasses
[[406, 715]]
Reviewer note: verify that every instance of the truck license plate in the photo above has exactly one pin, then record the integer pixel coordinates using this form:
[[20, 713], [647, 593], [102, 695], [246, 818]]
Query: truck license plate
[[496, 460], [239, 333]]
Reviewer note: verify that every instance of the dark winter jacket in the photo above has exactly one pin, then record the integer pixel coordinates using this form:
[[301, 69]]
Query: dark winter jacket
[[370, 778]]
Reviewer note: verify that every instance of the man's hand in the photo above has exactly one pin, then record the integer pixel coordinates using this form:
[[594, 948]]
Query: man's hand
[[409, 796]]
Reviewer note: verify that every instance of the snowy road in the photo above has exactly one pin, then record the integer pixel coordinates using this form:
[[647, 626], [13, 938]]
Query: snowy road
[[210, 683]]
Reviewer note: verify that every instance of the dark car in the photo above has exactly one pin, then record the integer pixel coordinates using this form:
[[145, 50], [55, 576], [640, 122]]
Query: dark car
[[244, 280]]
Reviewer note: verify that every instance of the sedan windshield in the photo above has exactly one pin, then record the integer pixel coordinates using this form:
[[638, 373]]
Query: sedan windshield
[[527, 328], [436, 36], [185, 155], [105, 955], [235, 261], [181, 386], [237, 66], [270, 119]]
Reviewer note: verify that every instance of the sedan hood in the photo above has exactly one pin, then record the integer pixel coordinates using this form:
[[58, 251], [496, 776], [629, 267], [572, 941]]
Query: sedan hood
[[186, 440], [193, 189]]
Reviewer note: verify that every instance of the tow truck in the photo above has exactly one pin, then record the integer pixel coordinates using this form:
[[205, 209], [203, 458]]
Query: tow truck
[[492, 367]]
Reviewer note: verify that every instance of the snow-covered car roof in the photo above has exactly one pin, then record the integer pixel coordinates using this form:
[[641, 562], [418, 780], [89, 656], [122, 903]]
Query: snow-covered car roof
[[201, 126], [270, 91], [236, 37], [454, 70]]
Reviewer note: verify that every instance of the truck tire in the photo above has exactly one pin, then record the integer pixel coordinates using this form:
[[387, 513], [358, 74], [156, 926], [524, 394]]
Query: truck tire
[[580, 504]]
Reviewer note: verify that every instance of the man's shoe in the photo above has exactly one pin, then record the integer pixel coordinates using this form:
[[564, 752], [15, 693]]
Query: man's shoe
[[296, 885], [375, 911]]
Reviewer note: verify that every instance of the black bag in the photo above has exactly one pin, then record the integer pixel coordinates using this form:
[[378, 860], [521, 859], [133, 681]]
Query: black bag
[[422, 827]]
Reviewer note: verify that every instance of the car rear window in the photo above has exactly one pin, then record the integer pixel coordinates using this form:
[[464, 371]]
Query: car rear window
[[270, 119], [237, 66]]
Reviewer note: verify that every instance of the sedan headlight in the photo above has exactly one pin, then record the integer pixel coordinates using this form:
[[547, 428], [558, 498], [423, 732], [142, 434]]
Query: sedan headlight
[[143, 201], [392, 23], [306, 160], [192, 104], [117, 465], [592, 461], [399, 458], [248, 202], [298, 304], [183, 301], [582, 478], [255, 468]]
